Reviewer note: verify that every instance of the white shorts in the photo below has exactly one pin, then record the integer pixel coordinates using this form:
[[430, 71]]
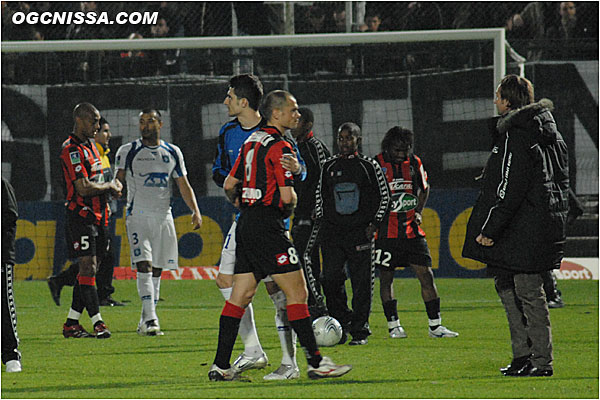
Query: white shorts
[[152, 238], [227, 264]]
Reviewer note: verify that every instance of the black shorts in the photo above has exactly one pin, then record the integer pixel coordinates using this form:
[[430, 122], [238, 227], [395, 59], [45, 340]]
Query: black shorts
[[396, 253], [83, 238], [262, 246]]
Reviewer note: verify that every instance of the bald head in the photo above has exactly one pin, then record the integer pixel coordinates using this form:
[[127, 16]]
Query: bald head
[[275, 100], [87, 121], [84, 110]]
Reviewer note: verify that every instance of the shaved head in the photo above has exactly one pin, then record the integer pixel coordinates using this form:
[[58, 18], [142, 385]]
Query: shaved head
[[84, 110]]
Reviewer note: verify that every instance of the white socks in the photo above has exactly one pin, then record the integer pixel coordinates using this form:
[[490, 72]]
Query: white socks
[[156, 283], [287, 336], [247, 331], [146, 292]]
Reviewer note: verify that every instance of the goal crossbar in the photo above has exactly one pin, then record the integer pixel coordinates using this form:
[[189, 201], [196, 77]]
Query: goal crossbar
[[497, 35]]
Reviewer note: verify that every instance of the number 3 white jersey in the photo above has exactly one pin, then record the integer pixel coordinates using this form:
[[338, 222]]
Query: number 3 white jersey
[[148, 172]]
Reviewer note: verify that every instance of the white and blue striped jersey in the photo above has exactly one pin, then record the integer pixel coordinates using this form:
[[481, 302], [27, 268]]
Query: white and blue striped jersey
[[148, 172]]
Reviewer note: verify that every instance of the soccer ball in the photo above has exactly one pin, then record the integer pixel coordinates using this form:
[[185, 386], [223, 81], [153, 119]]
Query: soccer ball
[[328, 331]]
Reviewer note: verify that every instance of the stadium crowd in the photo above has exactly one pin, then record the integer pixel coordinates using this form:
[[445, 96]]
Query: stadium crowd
[[537, 30]]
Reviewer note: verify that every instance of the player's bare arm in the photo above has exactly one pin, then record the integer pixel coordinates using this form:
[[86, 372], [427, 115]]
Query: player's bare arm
[[289, 199], [423, 196], [232, 189], [87, 188], [190, 199]]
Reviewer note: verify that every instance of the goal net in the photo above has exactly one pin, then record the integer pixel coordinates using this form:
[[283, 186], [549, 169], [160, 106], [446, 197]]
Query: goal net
[[438, 83]]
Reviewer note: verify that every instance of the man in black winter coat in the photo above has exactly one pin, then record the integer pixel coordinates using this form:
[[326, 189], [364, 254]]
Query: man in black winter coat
[[517, 225]]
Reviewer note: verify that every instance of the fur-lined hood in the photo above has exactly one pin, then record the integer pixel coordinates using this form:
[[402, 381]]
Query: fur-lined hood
[[535, 117]]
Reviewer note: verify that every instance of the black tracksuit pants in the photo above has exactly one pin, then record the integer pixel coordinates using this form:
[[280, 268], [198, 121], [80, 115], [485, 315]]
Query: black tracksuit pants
[[301, 236], [348, 247], [10, 339]]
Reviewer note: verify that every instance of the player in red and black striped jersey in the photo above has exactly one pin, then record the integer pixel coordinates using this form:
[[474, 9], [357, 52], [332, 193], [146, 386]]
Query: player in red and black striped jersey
[[86, 216], [401, 240], [264, 191]]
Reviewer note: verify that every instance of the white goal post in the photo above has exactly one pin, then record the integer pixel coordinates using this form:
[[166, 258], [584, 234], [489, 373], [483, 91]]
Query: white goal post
[[497, 35]]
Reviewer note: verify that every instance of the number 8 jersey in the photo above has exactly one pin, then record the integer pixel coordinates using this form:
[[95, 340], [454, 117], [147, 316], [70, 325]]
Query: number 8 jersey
[[405, 180]]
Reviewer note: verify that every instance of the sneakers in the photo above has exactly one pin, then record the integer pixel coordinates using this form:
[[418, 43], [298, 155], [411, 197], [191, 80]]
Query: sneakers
[[282, 373], [556, 302], [75, 331], [55, 289], [327, 369], [442, 332], [13, 366], [110, 302], [398, 332], [149, 328], [244, 363], [358, 342], [217, 374], [517, 367], [101, 330]]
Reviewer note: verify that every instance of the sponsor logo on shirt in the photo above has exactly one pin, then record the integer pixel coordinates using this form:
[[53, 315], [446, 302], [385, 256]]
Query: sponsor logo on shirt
[[400, 185], [75, 159], [404, 203], [282, 259], [251, 193]]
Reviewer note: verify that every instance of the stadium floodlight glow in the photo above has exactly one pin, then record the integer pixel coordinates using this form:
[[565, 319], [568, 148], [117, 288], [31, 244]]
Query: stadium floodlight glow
[[328, 39]]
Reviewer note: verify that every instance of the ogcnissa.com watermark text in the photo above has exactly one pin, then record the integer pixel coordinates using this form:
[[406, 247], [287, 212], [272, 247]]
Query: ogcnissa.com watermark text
[[85, 18]]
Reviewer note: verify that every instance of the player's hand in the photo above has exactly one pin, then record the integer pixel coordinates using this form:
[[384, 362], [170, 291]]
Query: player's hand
[[418, 218], [196, 220], [290, 162], [116, 188], [484, 240], [370, 231]]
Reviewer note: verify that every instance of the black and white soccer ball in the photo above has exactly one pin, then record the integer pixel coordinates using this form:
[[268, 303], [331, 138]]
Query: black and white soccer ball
[[328, 331]]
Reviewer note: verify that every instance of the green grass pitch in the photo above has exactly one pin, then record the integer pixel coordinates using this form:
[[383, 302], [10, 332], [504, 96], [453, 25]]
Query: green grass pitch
[[176, 364]]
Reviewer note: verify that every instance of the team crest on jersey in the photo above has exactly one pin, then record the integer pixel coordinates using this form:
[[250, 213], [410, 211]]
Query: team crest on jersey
[[137, 252], [78, 168], [75, 158], [76, 245], [155, 179], [282, 259], [165, 159], [288, 174]]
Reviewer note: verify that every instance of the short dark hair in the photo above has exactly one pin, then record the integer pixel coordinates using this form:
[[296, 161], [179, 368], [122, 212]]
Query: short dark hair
[[103, 121], [306, 114], [350, 127], [275, 99], [249, 87], [395, 135], [150, 111], [84, 110], [516, 90]]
